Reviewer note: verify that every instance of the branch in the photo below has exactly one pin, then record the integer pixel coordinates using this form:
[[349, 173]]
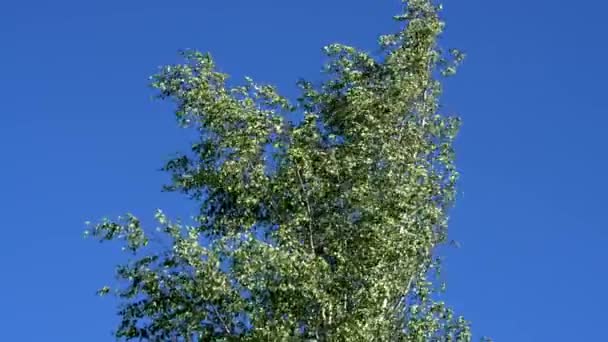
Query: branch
[[224, 324], [307, 202]]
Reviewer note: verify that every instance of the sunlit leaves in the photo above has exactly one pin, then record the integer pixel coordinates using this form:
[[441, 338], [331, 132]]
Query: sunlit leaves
[[320, 230]]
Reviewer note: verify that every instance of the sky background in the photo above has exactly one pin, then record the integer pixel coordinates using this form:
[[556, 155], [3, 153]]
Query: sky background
[[81, 138]]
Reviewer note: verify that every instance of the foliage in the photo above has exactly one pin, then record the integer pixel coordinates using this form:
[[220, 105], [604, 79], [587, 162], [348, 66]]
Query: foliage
[[319, 230]]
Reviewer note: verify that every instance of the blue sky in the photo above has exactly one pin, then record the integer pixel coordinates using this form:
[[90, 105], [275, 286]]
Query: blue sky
[[80, 138]]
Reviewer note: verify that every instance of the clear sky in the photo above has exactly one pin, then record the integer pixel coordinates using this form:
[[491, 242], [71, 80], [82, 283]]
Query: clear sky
[[80, 138]]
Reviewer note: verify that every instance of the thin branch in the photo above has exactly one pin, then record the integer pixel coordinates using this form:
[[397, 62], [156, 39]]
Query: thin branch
[[307, 202], [226, 328]]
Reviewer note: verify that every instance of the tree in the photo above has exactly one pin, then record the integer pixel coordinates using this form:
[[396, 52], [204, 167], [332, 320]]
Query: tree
[[319, 230]]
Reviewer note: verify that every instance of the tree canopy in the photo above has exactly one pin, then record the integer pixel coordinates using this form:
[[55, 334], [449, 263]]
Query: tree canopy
[[317, 229]]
